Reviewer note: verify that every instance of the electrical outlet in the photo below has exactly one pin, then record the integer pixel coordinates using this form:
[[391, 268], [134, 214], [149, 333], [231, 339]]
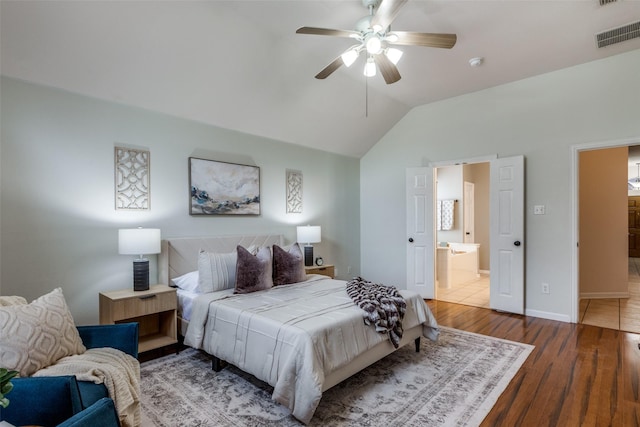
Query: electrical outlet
[[545, 288], [538, 210]]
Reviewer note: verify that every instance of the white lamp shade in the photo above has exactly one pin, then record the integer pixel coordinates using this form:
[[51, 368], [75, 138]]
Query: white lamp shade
[[370, 68], [309, 234], [373, 44], [139, 241], [394, 55], [349, 57]]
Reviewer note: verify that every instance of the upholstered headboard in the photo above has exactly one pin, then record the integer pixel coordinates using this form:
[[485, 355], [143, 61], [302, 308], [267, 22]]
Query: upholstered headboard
[[180, 255]]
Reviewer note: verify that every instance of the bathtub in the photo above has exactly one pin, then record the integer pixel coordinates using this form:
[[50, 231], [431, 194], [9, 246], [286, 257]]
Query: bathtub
[[456, 264]]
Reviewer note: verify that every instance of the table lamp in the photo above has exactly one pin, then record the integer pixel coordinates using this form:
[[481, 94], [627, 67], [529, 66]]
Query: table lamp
[[139, 241], [308, 234]]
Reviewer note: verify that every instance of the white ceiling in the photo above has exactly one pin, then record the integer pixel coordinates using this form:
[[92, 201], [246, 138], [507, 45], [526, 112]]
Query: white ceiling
[[240, 65]]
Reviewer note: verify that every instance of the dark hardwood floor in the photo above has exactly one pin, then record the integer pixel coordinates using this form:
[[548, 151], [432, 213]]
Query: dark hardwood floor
[[577, 375]]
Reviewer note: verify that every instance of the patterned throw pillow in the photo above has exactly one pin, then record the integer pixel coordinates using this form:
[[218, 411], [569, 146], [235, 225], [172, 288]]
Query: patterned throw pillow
[[12, 300], [217, 271], [36, 335], [288, 266], [253, 272]]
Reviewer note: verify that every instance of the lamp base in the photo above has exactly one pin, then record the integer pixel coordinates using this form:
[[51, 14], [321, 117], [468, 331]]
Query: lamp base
[[141, 275], [308, 255]]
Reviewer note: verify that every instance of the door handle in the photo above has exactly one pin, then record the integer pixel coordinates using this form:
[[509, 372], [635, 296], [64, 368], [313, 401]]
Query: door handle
[[517, 243], [467, 233], [410, 239]]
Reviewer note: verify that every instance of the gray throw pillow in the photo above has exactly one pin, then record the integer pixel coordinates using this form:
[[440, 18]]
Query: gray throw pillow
[[253, 272], [288, 266]]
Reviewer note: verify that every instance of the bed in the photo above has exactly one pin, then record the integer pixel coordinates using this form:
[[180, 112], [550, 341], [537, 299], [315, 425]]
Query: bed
[[301, 338]]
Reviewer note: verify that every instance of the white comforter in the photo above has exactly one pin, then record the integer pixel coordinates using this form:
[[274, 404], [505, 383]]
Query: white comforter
[[292, 336]]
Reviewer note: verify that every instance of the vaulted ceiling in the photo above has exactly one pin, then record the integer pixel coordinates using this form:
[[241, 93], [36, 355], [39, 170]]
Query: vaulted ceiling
[[240, 65]]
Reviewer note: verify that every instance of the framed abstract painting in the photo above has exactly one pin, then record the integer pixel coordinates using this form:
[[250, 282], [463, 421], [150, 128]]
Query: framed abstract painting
[[221, 188]]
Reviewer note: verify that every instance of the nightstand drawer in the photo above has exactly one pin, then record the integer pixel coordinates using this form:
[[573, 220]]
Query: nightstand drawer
[[142, 305], [116, 306]]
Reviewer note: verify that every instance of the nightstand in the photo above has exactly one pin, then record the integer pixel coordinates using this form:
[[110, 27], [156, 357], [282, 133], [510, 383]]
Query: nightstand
[[155, 311], [326, 270]]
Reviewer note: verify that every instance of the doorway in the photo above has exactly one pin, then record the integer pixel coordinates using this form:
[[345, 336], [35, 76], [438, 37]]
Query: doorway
[[506, 231], [462, 203], [616, 304]]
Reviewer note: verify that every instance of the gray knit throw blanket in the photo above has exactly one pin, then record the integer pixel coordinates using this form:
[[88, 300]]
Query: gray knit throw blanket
[[383, 305]]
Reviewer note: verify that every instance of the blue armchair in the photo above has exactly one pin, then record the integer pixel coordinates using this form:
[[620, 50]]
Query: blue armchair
[[50, 401], [100, 414], [123, 336]]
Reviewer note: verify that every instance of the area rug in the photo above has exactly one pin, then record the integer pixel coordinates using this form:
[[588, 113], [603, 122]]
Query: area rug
[[452, 382]]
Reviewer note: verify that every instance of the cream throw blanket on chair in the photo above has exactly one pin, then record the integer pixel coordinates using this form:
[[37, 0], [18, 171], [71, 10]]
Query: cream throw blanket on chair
[[119, 372]]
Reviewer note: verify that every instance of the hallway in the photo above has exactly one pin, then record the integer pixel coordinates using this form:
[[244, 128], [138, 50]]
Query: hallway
[[613, 313]]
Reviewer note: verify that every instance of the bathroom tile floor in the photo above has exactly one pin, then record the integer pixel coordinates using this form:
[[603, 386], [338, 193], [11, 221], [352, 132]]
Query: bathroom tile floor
[[614, 313], [475, 293]]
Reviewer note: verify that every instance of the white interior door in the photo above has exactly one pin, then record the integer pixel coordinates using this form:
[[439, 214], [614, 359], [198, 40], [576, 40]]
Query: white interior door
[[420, 232], [507, 234], [468, 203]]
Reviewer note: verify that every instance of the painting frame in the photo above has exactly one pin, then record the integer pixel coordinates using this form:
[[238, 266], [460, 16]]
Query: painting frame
[[218, 188]]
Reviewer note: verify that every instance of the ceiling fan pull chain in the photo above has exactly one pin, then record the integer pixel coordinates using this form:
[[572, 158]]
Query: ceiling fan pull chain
[[366, 97]]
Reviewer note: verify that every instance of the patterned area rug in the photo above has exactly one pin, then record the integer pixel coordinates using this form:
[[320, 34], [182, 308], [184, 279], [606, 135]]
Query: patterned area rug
[[452, 382]]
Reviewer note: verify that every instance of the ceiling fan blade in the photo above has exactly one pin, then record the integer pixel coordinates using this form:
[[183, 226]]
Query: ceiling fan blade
[[326, 32], [326, 71], [408, 38], [387, 69], [386, 13]]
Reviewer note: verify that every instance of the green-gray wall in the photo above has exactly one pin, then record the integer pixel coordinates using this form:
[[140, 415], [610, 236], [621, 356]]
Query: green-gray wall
[[543, 118], [58, 221]]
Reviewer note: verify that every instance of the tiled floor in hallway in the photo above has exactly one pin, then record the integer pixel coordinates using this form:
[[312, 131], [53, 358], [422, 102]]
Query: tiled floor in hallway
[[614, 313]]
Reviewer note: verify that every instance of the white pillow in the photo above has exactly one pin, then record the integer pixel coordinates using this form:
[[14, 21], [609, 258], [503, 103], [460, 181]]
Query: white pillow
[[187, 282], [217, 271], [36, 335]]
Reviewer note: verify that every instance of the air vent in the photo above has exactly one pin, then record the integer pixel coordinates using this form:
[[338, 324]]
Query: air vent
[[606, 2], [617, 35]]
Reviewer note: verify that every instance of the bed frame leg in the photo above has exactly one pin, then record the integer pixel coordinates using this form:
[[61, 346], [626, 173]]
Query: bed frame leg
[[418, 345], [216, 364]]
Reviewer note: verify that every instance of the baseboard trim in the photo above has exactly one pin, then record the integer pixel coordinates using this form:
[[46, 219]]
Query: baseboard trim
[[550, 316], [603, 295]]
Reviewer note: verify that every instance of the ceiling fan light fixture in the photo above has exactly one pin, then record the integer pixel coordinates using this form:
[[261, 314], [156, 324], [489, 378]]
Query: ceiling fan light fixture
[[349, 57], [373, 44], [393, 54], [391, 38], [370, 67], [373, 33], [635, 183]]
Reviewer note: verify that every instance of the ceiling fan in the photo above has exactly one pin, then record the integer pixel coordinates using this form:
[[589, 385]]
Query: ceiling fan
[[374, 36]]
